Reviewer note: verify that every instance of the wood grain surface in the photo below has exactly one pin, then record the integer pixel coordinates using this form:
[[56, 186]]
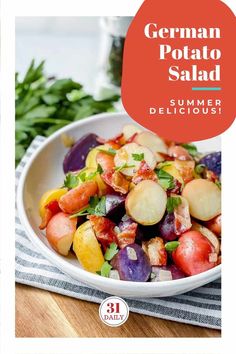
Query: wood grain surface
[[41, 314]]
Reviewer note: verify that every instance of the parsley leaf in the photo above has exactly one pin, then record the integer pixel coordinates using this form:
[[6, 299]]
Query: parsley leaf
[[96, 207], [71, 181], [138, 157], [99, 169], [172, 203], [171, 246], [42, 102], [111, 251], [218, 183], [199, 169], [165, 179], [105, 270], [191, 148], [123, 166], [110, 151]]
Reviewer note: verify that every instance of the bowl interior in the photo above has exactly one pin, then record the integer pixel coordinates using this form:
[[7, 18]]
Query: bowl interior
[[44, 170]]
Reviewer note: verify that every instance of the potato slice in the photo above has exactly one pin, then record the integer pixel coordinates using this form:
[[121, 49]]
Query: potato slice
[[126, 156], [204, 198], [153, 142], [129, 130], [146, 203], [208, 234], [87, 248], [60, 231]]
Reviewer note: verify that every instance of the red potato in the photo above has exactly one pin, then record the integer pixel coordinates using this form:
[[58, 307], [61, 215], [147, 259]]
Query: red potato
[[179, 153], [215, 225], [60, 232], [208, 234], [78, 198], [105, 160], [194, 254], [153, 142], [129, 130]]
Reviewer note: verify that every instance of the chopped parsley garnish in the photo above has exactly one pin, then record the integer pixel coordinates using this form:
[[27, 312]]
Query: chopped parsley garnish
[[120, 168], [105, 270], [200, 168], [96, 207], [99, 169], [191, 148], [171, 246], [110, 151], [138, 157], [71, 181], [218, 183], [111, 251], [172, 203], [165, 179]]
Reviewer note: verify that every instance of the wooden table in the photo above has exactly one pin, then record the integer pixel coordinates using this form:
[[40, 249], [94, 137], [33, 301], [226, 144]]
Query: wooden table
[[41, 313]]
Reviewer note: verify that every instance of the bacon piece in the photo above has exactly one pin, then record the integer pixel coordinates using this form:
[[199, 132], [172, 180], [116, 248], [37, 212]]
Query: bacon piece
[[210, 176], [144, 173], [127, 236], [177, 188], [155, 250], [116, 180], [104, 230]]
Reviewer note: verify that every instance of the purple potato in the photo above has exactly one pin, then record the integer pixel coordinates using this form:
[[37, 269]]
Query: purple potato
[[167, 228], [212, 162], [115, 206], [169, 272], [76, 156], [132, 264]]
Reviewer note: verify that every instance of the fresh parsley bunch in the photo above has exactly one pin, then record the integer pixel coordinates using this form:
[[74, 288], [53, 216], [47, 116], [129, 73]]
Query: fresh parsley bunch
[[44, 105]]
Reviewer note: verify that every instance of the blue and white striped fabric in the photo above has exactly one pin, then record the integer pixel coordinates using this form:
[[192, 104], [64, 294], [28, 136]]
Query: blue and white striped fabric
[[201, 307]]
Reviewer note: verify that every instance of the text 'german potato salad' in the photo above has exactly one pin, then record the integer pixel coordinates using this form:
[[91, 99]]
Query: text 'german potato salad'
[[136, 207]]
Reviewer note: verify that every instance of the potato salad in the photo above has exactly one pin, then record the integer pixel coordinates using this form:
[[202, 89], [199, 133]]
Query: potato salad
[[136, 207]]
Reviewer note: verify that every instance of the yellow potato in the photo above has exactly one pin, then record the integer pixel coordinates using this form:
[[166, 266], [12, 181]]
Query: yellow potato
[[87, 248], [49, 196], [91, 161], [204, 198], [172, 170]]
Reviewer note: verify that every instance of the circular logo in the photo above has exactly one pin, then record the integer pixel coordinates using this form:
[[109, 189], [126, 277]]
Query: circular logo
[[114, 311]]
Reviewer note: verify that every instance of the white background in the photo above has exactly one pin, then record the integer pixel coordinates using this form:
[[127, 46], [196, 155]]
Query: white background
[[105, 346], [71, 46]]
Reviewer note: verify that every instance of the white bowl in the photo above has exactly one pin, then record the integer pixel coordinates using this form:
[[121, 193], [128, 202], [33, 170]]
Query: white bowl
[[44, 171]]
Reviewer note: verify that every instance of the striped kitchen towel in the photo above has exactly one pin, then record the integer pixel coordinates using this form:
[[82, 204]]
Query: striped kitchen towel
[[201, 307]]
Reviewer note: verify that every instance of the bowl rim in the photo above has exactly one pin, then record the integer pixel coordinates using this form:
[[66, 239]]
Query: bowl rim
[[81, 273]]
